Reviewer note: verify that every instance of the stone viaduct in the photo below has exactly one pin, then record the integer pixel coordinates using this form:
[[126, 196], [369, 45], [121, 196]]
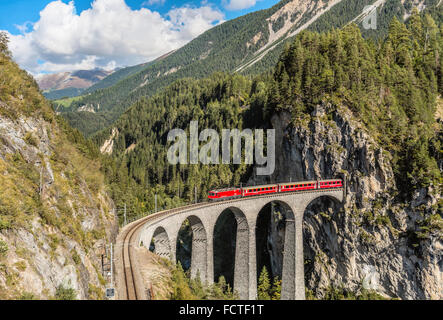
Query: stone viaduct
[[164, 232]]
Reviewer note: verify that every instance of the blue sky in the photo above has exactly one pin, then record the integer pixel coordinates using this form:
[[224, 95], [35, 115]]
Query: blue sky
[[17, 12], [62, 35]]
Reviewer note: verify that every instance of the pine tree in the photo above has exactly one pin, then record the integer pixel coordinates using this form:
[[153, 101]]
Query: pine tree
[[264, 285], [276, 289]]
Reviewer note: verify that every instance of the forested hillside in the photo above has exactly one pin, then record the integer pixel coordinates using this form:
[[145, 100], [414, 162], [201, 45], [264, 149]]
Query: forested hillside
[[391, 87], [343, 106], [250, 44]]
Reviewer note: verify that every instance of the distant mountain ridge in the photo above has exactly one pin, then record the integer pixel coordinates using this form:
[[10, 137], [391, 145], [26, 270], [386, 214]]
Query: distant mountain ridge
[[81, 79], [69, 84]]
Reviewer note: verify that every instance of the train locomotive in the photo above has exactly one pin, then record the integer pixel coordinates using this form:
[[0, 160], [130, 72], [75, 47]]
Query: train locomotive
[[233, 193]]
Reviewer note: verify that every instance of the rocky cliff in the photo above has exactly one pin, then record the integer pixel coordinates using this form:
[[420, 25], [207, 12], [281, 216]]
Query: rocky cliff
[[55, 215], [376, 239]]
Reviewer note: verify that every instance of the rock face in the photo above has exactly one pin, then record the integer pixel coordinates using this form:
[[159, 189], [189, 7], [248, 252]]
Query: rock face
[[53, 224], [373, 241]]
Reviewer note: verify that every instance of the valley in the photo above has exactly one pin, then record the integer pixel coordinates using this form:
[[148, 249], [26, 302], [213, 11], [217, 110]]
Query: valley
[[82, 167]]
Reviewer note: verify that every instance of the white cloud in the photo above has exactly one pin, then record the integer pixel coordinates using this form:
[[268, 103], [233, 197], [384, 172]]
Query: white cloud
[[108, 34], [153, 2], [240, 4], [23, 27]]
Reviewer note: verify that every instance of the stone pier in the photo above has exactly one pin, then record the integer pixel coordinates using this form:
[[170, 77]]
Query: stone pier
[[164, 232]]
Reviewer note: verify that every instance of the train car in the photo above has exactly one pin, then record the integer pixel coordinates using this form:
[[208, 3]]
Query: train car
[[333, 183], [297, 186], [259, 190], [224, 194], [230, 193]]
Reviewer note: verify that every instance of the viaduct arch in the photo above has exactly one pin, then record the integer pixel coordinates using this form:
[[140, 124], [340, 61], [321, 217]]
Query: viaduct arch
[[164, 232]]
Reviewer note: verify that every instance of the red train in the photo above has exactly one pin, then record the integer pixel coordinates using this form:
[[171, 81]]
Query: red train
[[232, 193]]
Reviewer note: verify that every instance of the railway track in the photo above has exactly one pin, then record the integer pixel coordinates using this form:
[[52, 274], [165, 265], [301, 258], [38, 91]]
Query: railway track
[[133, 290], [132, 286]]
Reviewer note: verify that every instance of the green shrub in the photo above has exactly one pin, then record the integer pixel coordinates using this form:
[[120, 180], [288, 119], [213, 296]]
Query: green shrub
[[27, 296], [4, 224], [30, 139], [75, 257], [21, 265], [65, 293], [3, 248]]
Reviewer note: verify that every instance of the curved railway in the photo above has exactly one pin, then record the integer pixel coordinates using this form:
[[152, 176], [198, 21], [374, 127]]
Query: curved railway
[[132, 290]]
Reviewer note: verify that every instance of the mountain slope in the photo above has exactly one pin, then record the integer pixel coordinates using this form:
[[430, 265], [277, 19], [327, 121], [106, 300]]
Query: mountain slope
[[223, 48], [250, 44], [341, 107], [115, 77], [55, 214]]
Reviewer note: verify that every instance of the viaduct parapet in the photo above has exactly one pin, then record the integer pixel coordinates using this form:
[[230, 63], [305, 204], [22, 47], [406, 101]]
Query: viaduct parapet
[[164, 233]]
